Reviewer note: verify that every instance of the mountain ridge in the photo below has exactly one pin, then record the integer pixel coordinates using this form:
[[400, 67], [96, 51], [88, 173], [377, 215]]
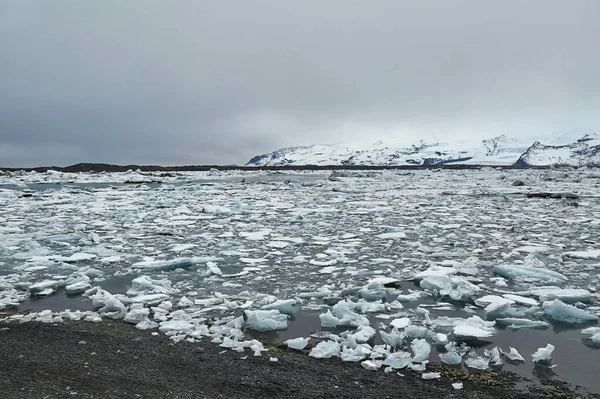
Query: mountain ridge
[[576, 149]]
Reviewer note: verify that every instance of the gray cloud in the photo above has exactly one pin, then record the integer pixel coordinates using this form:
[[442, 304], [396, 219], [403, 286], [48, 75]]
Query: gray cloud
[[178, 82]]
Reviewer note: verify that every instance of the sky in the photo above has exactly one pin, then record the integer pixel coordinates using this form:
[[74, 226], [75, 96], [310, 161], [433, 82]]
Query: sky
[[217, 82]]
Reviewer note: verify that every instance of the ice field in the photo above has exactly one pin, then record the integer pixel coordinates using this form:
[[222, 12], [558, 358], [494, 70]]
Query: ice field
[[481, 269]]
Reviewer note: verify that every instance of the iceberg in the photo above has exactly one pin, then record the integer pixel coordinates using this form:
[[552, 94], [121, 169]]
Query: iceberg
[[595, 334], [560, 312], [477, 362], [328, 320], [421, 350], [164, 265], [543, 355], [456, 288], [285, 306], [473, 327], [451, 357], [494, 356], [529, 273], [297, 343], [512, 355], [395, 339], [570, 295], [516, 323], [374, 291], [363, 334], [265, 320], [400, 323], [355, 354], [325, 350], [398, 360]]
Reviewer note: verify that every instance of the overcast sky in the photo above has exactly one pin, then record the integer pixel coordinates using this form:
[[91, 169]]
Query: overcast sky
[[199, 82]]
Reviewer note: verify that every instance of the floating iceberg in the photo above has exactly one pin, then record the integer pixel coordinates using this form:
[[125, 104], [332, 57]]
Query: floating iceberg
[[560, 312], [516, 323], [512, 355], [571, 295], [529, 273], [451, 357], [285, 306], [543, 355], [456, 288], [164, 265], [373, 291], [473, 327], [494, 356]]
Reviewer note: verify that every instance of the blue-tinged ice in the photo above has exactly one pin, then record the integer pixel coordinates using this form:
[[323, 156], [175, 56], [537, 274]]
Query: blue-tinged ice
[[355, 354], [512, 272], [421, 350], [265, 320], [569, 295], [559, 311], [512, 355], [328, 320], [477, 362], [398, 360], [395, 338], [473, 327], [451, 357], [494, 356], [374, 291], [326, 349]]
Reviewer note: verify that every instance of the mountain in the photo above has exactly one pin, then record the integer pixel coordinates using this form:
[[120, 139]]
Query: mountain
[[583, 152], [576, 149]]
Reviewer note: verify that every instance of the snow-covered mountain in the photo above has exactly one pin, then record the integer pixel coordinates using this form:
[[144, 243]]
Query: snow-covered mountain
[[577, 149]]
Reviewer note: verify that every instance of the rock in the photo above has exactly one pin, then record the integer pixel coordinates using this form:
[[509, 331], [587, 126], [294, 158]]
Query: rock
[[518, 183]]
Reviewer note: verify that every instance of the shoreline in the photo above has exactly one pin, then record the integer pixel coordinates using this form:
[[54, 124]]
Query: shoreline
[[112, 359]]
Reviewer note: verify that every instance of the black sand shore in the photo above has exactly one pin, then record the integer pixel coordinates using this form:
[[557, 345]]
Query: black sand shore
[[114, 360]]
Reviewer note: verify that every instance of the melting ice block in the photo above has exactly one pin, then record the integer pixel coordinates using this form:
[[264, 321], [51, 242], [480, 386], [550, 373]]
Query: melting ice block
[[595, 334], [543, 355], [570, 295], [374, 291], [494, 356], [400, 323], [326, 349], [512, 355], [456, 288], [431, 376], [297, 343], [512, 272], [473, 327], [451, 358], [265, 320], [395, 338], [559, 311], [589, 254], [477, 362], [398, 360], [164, 265], [285, 306], [421, 350]]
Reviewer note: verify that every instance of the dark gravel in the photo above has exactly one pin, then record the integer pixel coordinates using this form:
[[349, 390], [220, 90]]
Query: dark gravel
[[114, 360]]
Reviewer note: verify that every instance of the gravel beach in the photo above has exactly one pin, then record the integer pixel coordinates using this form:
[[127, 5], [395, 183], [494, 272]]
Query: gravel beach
[[114, 360]]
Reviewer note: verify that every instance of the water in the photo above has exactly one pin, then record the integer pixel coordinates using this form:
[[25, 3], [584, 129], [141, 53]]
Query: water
[[273, 234]]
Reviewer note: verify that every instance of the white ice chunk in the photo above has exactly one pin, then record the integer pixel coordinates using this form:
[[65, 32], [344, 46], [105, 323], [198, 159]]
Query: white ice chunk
[[392, 235], [297, 343], [543, 355], [440, 339], [355, 354], [473, 327], [431, 376], [513, 355], [589, 254], [328, 320], [363, 334], [489, 299], [395, 338], [494, 356], [285, 306], [265, 320], [530, 273], [457, 385], [371, 365], [77, 288], [559, 311], [164, 265], [325, 350], [522, 300], [571, 295], [435, 271], [400, 323], [456, 288], [373, 291], [212, 268]]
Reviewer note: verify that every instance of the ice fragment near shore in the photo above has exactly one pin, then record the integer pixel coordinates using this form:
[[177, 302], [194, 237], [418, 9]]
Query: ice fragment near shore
[[421, 350], [451, 358], [543, 355], [559, 311], [494, 356], [297, 343], [512, 355], [473, 327], [529, 273], [265, 320], [398, 360], [325, 350], [477, 362], [395, 338]]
